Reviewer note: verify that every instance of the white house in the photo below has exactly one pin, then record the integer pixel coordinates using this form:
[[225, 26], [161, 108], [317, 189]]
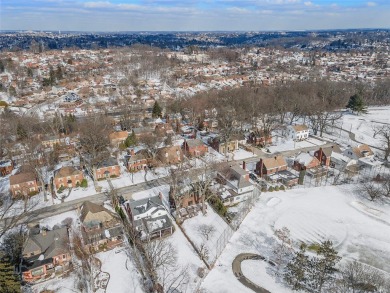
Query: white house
[[298, 132]]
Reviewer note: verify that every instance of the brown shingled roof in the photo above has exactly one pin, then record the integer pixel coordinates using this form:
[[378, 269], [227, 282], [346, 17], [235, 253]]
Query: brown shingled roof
[[67, 171], [21, 178], [274, 162]]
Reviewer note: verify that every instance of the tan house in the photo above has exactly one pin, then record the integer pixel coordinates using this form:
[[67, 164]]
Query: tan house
[[101, 228], [221, 147], [68, 177], [46, 254], [23, 184], [118, 137]]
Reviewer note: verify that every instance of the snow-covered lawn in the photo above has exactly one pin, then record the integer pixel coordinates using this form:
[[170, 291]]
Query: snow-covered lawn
[[124, 277], [359, 228], [59, 285], [240, 154], [282, 144], [50, 222], [187, 259], [191, 227]]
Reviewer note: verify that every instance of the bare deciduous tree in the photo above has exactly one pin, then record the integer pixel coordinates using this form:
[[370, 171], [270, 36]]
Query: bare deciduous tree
[[206, 230]]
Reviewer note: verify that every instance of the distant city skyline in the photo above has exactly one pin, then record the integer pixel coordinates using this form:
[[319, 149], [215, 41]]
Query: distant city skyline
[[192, 15]]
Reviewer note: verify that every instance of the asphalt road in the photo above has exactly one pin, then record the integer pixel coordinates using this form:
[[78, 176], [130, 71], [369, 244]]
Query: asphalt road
[[99, 198], [236, 267]]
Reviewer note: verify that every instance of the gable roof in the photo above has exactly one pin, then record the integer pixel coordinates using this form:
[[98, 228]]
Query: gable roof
[[305, 159], [328, 150], [193, 142], [21, 178], [271, 163], [141, 206], [300, 127], [94, 213], [362, 150], [67, 171]]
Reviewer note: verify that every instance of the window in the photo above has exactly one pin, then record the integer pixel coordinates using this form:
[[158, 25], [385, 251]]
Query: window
[[63, 256]]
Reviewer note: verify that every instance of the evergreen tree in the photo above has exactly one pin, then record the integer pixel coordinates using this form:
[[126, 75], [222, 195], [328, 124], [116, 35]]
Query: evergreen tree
[[131, 140], [356, 104], [296, 270], [8, 280], [156, 110], [323, 267]]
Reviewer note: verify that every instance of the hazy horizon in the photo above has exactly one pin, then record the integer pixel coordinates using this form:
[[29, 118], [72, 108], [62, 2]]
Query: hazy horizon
[[192, 15]]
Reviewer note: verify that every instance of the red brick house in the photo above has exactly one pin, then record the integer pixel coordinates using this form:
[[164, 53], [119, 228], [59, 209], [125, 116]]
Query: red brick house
[[139, 160], [259, 138], [108, 169], [324, 154], [305, 161], [194, 147], [270, 166], [68, 177], [23, 184], [170, 155], [6, 167]]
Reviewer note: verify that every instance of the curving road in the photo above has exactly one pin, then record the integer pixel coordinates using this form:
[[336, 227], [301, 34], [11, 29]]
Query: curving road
[[236, 267]]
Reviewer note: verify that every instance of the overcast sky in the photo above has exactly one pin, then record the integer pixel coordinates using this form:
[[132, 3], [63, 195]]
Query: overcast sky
[[192, 15]]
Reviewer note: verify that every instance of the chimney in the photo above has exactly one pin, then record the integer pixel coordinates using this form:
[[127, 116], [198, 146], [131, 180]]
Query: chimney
[[132, 152], [43, 232], [243, 165]]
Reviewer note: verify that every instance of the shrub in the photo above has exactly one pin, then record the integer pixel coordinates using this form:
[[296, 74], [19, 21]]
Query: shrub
[[264, 189], [282, 187], [84, 183], [78, 184], [270, 189], [276, 188], [32, 193], [113, 176], [61, 189]]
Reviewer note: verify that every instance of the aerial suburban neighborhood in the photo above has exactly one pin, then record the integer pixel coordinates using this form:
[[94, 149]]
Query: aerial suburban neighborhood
[[196, 169]]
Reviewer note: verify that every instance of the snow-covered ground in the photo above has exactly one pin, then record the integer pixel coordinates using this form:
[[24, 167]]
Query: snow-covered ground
[[240, 154], [124, 277], [362, 126], [58, 285], [283, 144], [357, 227], [191, 227]]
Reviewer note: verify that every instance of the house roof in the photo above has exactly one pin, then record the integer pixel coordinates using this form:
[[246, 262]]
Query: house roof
[[305, 159], [194, 142], [141, 206], [328, 150], [67, 171], [362, 150], [21, 178], [50, 243], [108, 163], [274, 162], [300, 127], [94, 213], [118, 135]]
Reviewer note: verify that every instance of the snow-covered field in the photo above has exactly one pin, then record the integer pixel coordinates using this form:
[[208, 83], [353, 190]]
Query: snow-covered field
[[359, 228], [362, 125], [191, 227]]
